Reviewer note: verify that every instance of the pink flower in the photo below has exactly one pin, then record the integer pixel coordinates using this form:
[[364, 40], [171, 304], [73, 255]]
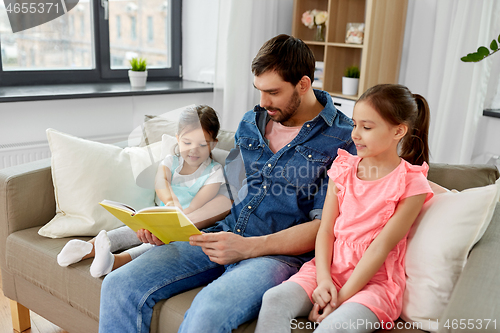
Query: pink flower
[[308, 19]]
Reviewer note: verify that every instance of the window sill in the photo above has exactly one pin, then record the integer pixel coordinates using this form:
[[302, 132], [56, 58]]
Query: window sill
[[93, 90], [495, 113]]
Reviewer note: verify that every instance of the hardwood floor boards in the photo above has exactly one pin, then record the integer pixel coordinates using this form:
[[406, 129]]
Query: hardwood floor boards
[[38, 324]]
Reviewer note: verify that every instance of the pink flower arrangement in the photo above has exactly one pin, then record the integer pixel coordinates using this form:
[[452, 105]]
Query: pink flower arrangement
[[310, 18]]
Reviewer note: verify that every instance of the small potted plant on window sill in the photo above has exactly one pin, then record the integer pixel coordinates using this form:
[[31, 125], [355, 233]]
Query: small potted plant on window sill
[[350, 81], [138, 73]]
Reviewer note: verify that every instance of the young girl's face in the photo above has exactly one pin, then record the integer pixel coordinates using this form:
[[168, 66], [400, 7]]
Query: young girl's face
[[195, 146], [372, 134]]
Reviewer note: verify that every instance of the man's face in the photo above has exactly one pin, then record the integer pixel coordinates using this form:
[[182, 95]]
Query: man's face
[[281, 99]]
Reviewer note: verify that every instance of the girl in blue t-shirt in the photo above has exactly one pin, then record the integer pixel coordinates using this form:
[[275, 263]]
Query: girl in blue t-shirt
[[188, 179]]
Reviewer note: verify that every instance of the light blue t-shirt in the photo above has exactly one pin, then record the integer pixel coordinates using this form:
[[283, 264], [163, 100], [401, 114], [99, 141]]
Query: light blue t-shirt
[[185, 187]]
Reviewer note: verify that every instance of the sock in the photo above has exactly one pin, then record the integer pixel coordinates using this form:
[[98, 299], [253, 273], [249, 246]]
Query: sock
[[73, 251], [104, 259]]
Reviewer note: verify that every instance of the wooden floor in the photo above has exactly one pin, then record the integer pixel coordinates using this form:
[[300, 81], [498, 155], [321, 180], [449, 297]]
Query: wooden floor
[[38, 324]]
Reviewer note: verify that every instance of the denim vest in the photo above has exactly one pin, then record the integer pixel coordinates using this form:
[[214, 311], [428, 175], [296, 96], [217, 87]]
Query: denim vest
[[275, 191]]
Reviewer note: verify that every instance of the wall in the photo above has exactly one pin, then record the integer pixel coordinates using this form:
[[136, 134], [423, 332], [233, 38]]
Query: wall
[[89, 117]]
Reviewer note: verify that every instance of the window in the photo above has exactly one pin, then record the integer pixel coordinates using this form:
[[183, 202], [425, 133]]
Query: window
[[84, 46], [133, 27], [82, 25], [150, 29], [118, 27]]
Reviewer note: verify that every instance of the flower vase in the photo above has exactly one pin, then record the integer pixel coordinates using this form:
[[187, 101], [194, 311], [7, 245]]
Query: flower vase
[[320, 33]]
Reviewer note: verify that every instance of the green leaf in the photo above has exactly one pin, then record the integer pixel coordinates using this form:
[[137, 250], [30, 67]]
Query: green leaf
[[494, 45], [483, 51], [476, 57], [465, 59]]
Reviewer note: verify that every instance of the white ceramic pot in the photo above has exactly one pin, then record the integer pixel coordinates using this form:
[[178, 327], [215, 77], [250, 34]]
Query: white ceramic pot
[[137, 79], [349, 86]]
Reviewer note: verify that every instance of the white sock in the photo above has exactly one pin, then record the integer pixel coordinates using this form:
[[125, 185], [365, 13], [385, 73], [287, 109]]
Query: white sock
[[104, 259], [73, 251]]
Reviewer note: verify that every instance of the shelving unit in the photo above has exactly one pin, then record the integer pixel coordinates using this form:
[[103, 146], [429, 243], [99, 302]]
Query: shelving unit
[[378, 57]]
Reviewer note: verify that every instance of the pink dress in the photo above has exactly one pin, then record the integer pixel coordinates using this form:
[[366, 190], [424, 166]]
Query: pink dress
[[365, 208]]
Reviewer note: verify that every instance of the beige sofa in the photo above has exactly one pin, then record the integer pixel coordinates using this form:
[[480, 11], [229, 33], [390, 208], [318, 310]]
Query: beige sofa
[[69, 297]]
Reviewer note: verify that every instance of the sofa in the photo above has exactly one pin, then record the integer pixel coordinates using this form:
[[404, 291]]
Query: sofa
[[69, 297]]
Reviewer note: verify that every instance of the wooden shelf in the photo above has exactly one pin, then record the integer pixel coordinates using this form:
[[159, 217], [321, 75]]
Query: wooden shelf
[[339, 94], [354, 46], [378, 57]]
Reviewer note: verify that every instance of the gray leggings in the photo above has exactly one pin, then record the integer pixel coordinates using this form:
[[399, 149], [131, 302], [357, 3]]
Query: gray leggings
[[123, 238], [283, 303]]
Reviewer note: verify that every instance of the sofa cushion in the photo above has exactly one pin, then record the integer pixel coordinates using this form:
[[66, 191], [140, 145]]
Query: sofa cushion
[[438, 245], [33, 258], [461, 177]]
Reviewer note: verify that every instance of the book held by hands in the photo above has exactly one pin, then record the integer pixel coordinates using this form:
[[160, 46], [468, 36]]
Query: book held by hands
[[168, 223]]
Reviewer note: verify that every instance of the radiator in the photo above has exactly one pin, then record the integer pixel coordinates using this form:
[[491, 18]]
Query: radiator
[[23, 152]]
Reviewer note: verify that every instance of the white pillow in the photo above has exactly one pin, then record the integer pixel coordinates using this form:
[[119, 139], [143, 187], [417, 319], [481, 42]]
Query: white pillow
[[168, 144], [87, 172], [438, 245]]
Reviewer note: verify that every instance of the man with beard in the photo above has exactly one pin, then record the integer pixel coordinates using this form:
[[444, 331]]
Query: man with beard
[[284, 147]]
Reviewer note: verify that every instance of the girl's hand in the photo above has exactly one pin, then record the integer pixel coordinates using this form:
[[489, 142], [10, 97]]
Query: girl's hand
[[170, 203], [317, 315], [325, 294], [146, 236]]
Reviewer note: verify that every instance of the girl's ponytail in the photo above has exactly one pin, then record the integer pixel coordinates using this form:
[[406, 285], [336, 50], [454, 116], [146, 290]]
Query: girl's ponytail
[[397, 105], [415, 145]]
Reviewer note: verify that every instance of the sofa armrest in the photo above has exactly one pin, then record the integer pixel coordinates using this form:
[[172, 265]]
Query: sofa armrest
[[476, 294], [26, 197]]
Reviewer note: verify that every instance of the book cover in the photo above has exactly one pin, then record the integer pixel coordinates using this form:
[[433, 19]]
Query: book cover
[[168, 223]]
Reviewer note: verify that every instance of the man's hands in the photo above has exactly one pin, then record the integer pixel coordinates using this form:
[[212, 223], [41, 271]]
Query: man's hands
[[221, 247], [325, 301], [224, 247]]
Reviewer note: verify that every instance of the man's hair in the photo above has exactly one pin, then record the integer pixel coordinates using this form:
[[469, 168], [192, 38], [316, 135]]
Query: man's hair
[[290, 57]]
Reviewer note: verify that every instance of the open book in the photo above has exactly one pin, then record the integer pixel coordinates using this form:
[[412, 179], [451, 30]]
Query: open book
[[168, 223]]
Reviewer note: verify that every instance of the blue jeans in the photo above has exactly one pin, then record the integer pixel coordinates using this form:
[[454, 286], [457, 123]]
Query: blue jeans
[[233, 296]]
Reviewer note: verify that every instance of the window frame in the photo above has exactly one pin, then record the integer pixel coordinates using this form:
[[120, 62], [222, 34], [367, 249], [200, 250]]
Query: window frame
[[102, 72]]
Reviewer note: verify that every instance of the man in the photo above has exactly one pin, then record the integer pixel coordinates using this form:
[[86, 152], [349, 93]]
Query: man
[[284, 146]]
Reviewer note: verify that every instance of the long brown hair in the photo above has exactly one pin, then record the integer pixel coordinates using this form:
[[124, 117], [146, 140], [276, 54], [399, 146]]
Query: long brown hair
[[397, 105]]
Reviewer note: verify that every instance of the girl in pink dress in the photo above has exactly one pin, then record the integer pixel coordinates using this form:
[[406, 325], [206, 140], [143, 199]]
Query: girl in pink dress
[[357, 279]]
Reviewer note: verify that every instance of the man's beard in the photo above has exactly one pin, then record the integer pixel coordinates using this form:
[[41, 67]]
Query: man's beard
[[290, 110]]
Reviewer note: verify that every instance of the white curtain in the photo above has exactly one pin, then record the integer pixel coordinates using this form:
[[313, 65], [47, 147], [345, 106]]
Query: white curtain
[[438, 34], [243, 27]]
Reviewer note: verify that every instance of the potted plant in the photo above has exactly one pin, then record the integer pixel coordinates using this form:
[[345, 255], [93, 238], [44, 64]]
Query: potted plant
[[350, 81], [138, 73]]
